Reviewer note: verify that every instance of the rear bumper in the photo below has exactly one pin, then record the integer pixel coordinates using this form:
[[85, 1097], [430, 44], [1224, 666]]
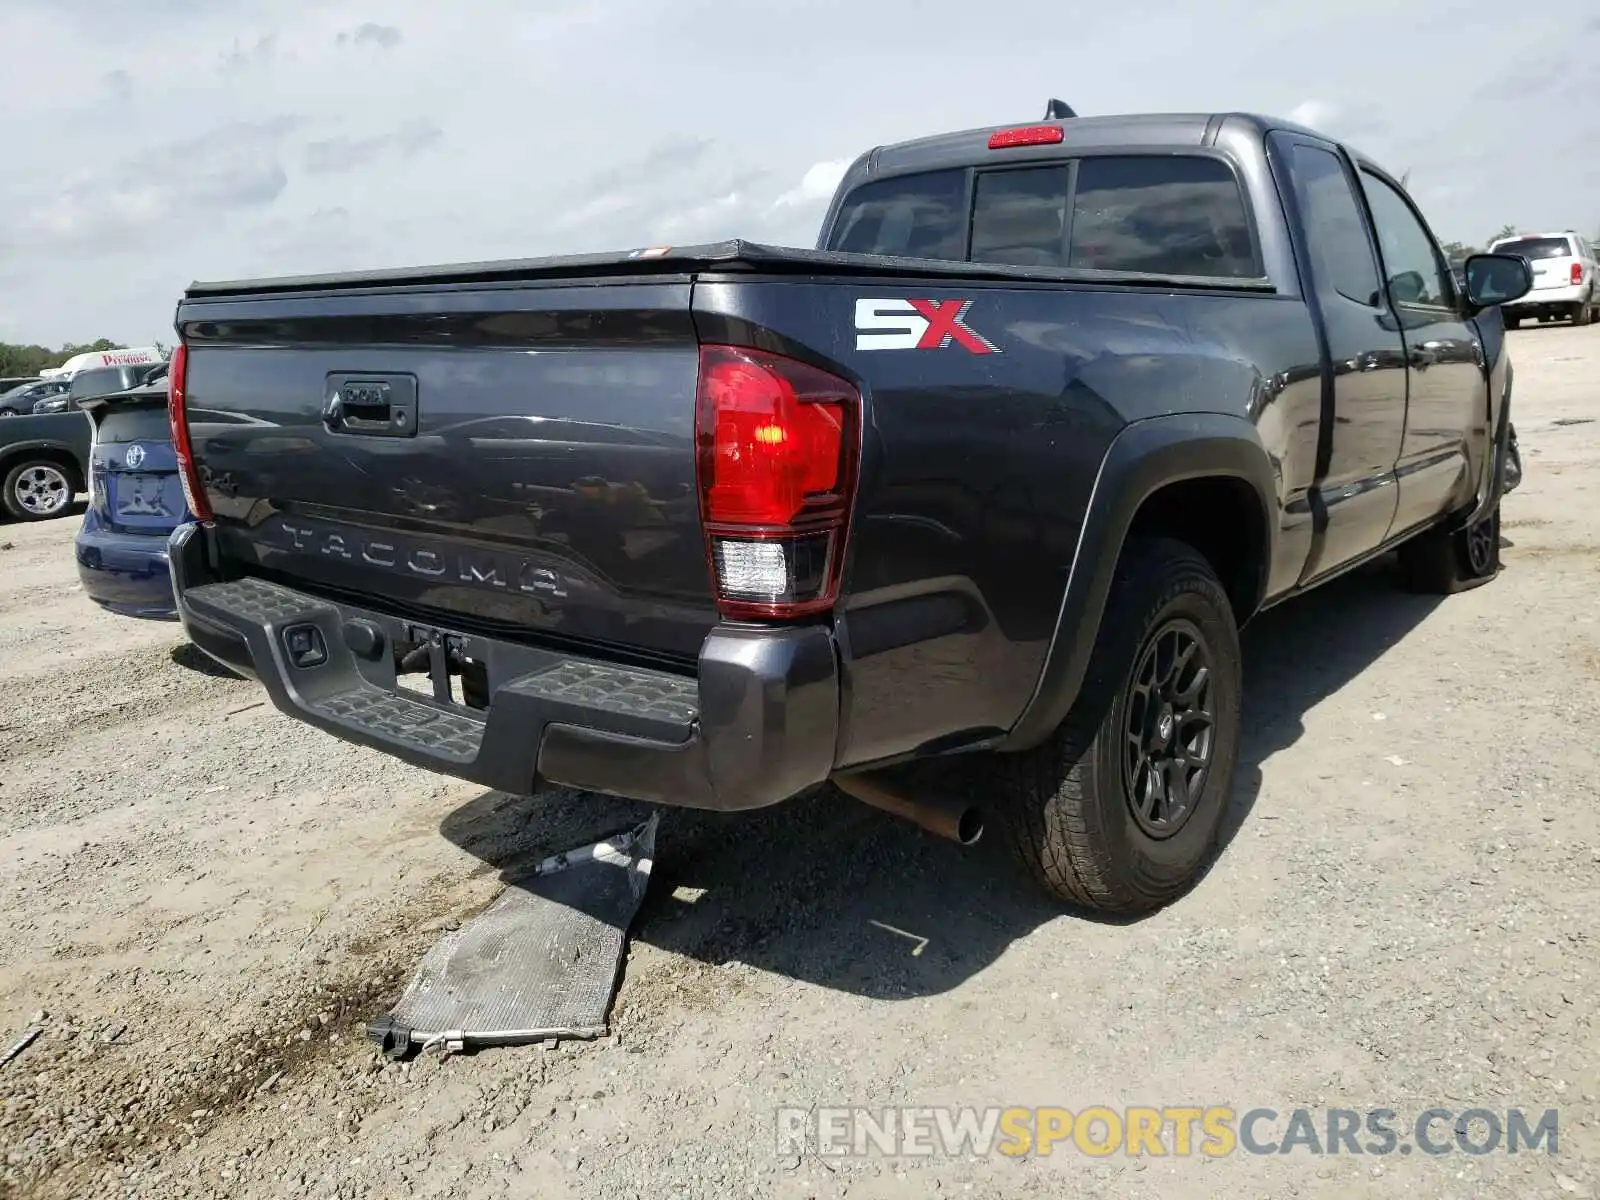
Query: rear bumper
[[125, 572], [1548, 301], [757, 725]]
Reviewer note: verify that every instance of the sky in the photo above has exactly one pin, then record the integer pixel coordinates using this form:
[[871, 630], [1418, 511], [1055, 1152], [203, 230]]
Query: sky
[[153, 143]]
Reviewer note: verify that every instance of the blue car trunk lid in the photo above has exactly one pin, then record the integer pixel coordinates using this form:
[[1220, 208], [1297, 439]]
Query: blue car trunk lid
[[141, 491], [134, 484]]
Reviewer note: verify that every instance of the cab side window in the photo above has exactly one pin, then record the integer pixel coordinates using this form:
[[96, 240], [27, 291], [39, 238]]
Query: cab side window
[[1416, 274], [910, 216], [1161, 214]]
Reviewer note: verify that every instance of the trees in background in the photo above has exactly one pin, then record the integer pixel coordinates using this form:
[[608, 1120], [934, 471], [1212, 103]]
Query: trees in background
[[30, 360], [1456, 251]]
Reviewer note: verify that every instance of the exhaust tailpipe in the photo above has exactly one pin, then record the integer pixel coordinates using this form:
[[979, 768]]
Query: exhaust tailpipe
[[942, 815]]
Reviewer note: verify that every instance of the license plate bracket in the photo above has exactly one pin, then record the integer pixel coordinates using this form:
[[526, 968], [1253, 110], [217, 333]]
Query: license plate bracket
[[141, 494]]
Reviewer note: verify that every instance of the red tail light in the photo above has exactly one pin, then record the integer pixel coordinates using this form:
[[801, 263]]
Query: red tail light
[[1577, 274], [1026, 135], [777, 456], [178, 415]]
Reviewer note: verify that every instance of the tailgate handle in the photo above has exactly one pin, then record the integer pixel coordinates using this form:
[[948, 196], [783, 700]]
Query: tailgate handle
[[371, 405]]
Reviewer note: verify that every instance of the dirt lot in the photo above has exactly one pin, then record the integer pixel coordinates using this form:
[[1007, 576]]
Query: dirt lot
[[206, 900]]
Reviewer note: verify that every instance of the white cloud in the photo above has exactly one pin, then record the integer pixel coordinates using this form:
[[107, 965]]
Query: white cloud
[[134, 199], [370, 33], [337, 154], [712, 221], [1313, 114], [817, 184]]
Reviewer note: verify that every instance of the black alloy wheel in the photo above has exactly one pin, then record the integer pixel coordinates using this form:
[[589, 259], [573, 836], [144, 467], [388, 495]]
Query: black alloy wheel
[[1482, 541], [1168, 728]]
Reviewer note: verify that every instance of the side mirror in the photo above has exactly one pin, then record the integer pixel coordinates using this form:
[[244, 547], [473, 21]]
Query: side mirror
[[1407, 287], [1497, 279]]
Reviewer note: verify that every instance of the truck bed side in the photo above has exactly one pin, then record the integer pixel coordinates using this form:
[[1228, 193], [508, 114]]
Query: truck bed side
[[979, 470]]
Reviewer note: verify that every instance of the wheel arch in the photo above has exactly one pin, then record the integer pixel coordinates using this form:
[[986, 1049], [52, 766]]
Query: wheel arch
[[1205, 479]]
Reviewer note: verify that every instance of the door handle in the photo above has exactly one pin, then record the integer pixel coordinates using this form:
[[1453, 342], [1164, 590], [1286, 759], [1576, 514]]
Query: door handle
[[373, 406], [356, 417]]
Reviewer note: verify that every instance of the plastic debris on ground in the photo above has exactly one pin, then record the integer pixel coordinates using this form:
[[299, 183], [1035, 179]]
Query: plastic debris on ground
[[540, 962]]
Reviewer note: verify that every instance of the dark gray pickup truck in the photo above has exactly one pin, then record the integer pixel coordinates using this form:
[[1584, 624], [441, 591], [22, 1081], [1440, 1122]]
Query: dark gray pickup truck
[[44, 463], [999, 469]]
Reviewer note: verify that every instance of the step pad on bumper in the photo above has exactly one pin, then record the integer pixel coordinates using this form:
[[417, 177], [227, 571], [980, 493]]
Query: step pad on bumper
[[545, 688], [670, 699], [404, 719], [257, 600]]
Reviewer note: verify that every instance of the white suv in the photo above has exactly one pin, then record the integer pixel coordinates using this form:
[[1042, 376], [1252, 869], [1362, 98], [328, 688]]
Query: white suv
[[1564, 283]]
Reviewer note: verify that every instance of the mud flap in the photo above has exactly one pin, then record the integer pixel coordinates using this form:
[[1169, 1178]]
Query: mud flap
[[540, 962]]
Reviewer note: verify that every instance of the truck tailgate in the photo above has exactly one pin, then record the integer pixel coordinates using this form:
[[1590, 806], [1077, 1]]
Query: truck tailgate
[[513, 458]]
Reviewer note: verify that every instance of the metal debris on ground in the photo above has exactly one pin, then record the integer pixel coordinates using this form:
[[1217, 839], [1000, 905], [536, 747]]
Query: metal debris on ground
[[921, 942], [21, 1044], [540, 962]]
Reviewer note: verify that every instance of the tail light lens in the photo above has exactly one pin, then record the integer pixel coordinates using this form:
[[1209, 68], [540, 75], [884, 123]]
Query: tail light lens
[[1577, 274], [178, 416], [778, 446]]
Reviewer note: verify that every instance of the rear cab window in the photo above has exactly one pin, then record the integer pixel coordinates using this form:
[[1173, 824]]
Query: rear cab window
[[1180, 214]]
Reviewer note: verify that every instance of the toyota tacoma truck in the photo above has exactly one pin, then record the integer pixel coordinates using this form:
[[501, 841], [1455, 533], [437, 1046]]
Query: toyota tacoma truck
[[997, 470]]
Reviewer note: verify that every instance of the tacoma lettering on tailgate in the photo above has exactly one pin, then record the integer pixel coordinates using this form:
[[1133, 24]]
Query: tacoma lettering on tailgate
[[405, 556]]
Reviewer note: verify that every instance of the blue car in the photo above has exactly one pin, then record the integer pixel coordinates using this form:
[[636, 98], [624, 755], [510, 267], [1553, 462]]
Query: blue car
[[135, 502]]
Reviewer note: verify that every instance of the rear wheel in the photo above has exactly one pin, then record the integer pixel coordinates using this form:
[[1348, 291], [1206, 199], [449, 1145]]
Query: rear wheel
[[36, 490], [1120, 808], [1580, 315]]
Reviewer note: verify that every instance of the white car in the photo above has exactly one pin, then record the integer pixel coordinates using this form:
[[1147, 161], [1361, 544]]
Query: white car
[[1564, 284]]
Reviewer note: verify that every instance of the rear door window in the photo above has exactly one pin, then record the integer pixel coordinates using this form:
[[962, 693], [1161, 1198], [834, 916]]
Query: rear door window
[[1335, 231], [1165, 215]]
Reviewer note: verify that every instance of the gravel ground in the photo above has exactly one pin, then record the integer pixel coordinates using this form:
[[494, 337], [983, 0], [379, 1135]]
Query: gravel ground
[[207, 900]]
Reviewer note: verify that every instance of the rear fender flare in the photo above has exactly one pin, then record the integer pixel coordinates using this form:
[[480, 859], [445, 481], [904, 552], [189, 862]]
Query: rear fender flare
[[1145, 457]]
